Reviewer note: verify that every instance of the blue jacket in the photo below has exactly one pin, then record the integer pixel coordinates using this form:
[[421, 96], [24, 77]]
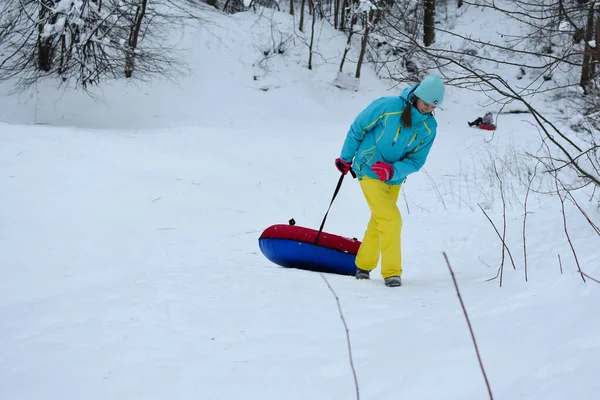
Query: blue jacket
[[378, 135]]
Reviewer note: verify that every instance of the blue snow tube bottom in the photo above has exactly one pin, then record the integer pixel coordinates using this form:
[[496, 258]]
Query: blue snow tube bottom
[[295, 254], [298, 247]]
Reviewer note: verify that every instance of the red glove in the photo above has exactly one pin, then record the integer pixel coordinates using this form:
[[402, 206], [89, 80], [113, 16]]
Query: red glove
[[342, 166], [384, 171]]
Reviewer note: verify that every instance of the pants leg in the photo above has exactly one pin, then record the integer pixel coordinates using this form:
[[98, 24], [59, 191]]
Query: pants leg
[[383, 232], [368, 253]]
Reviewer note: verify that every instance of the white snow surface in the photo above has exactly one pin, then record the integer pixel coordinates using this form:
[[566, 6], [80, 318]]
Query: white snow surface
[[129, 225]]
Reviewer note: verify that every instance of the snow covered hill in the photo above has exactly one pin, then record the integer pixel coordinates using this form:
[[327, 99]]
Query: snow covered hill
[[130, 266]]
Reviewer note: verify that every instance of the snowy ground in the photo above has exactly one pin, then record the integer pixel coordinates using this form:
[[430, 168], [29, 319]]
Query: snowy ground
[[130, 263]]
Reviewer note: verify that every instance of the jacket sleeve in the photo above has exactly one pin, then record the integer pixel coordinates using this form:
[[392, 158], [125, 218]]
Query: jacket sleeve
[[414, 160], [488, 118], [364, 122]]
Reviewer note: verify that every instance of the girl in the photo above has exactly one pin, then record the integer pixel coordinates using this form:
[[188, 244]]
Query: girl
[[389, 140], [487, 122]]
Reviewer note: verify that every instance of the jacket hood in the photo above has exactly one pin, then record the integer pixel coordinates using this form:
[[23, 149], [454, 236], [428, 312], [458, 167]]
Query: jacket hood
[[416, 114], [406, 92]]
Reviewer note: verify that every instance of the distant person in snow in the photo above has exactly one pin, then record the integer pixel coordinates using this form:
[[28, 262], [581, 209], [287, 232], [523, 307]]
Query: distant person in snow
[[387, 141], [487, 122]]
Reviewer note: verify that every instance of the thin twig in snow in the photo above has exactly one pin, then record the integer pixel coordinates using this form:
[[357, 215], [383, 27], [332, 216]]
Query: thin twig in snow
[[503, 197], [594, 279], [564, 215], [462, 304], [531, 178], [337, 299], [503, 244], [437, 191], [560, 264], [581, 210], [487, 265], [406, 202]]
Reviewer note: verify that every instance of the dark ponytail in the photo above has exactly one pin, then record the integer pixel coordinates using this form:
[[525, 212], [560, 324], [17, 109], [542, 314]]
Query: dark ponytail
[[407, 115]]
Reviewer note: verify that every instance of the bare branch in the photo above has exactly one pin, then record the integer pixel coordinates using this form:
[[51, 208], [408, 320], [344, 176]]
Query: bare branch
[[503, 197], [462, 304], [593, 279], [504, 246], [347, 335], [531, 178], [560, 264]]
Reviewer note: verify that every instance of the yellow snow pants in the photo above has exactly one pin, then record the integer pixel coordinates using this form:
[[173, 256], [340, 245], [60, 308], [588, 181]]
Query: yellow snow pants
[[382, 236]]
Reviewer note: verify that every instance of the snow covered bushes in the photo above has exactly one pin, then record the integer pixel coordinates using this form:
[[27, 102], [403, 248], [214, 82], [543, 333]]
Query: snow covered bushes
[[84, 41]]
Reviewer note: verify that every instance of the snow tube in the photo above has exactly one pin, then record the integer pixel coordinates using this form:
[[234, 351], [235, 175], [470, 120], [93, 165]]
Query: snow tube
[[294, 246], [487, 127]]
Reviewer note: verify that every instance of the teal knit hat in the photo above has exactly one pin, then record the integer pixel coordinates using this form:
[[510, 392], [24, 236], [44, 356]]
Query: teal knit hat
[[431, 90]]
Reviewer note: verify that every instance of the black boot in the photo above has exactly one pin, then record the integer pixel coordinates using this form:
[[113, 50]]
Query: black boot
[[362, 274], [393, 281]]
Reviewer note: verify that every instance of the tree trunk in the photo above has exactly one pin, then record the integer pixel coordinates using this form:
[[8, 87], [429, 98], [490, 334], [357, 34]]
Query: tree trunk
[[234, 6], [301, 24], [44, 44], [429, 23], [63, 52], [347, 49], [312, 39], [363, 45], [133, 38], [587, 69], [343, 16], [596, 51], [336, 11], [291, 7], [460, 3]]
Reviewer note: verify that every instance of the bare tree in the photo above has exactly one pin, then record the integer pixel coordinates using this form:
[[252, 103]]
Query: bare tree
[[429, 22], [343, 16], [312, 35], [86, 42], [348, 45], [588, 66], [301, 23], [234, 6], [140, 13], [44, 41], [366, 16]]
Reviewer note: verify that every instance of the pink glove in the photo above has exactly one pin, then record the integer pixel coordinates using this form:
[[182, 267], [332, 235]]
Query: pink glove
[[342, 166], [384, 171]]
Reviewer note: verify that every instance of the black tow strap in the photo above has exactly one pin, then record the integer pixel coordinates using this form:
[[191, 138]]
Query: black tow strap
[[335, 192]]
